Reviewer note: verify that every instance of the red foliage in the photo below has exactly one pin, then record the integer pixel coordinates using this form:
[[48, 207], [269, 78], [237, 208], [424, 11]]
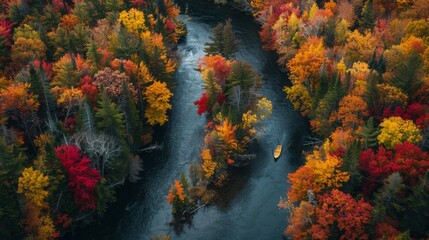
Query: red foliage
[[138, 3], [6, 32], [202, 103], [417, 112], [407, 159], [340, 210], [83, 177], [270, 16], [221, 98], [70, 124], [169, 25], [386, 231], [89, 89], [61, 6]]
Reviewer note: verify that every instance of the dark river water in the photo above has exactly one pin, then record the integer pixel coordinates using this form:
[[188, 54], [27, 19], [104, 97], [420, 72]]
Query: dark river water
[[248, 209]]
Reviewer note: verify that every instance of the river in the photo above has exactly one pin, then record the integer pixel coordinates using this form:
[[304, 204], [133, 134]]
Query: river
[[248, 209]]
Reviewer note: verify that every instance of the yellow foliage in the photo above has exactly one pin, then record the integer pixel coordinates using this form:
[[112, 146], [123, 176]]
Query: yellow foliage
[[70, 96], [360, 47], [144, 74], [157, 97], [263, 108], [392, 95], [32, 184], [133, 20], [300, 98], [327, 170], [248, 120], [46, 228], [396, 130], [209, 166], [257, 5]]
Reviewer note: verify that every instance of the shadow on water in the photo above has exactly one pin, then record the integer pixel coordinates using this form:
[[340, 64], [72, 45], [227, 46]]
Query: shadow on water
[[247, 208]]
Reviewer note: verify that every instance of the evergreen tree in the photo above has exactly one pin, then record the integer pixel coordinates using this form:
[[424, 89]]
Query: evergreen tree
[[371, 95], [329, 33], [109, 119], [223, 41], [93, 56], [133, 123], [11, 164], [381, 64], [373, 61], [369, 133], [351, 165], [367, 20], [408, 74]]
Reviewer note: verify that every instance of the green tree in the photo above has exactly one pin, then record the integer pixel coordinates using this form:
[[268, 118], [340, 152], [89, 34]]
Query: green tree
[[11, 165], [408, 74], [223, 41], [367, 20], [369, 133], [109, 119]]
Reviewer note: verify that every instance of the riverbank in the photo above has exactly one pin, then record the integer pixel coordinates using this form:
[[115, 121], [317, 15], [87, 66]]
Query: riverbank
[[248, 208]]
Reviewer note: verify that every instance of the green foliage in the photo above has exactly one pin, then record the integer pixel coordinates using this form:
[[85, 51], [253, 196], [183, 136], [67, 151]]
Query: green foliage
[[351, 165], [223, 41], [133, 124], [369, 133], [109, 119], [12, 159], [367, 21], [105, 196], [408, 74]]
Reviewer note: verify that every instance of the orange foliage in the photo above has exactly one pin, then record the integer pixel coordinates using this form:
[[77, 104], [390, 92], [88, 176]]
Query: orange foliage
[[226, 133], [17, 97], [351, 111]]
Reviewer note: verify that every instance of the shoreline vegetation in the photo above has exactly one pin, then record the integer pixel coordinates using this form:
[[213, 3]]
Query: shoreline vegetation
[[233, 108], [359, 72], [83, 87]]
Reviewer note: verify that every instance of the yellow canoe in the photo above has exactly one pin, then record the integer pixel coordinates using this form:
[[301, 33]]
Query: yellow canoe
[[278, 151]]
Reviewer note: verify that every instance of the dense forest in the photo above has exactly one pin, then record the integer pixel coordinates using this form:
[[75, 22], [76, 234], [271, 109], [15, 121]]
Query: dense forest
[[86, 84], [83, 86], [359, 74]]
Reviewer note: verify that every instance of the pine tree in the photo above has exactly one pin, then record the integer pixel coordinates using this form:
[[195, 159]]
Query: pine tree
[[371, 95], [223, 41], [367, 20], [373, 61], [381, 64], [93, 56], [369, 134], [407, 75], [11, 165], [109, 119], [133, 123]]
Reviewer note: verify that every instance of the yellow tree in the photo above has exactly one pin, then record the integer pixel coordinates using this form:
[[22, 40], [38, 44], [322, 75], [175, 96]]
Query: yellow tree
[[396, 130], [157, 97], [32, 184], [300, 98], [320, 172], [209, 166], [27, 45], [226, 134], [360, 47], [133, 20]]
